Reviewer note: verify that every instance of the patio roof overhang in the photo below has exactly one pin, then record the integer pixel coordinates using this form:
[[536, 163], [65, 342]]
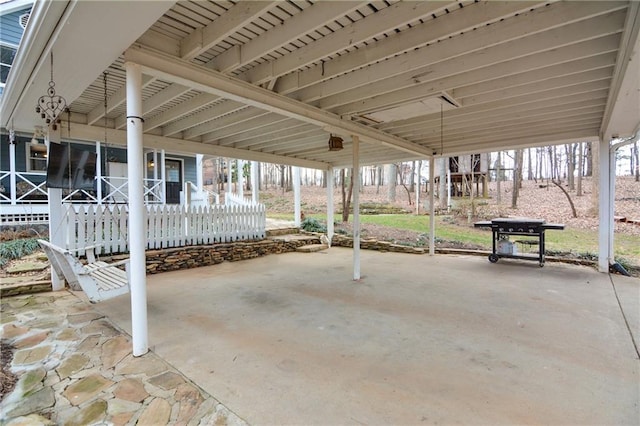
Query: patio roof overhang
[[270, 80]]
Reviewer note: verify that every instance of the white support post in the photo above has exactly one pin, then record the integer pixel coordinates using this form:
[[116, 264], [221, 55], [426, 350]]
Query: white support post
[[255, 182], [12, 175], [604, 208], [417, 187], [612, 202], [200, 172], [163, 176], [432, 206], [330, 206], [356, 207], [56, 214], [98, 173], [240, 169], [137, 220], [296, 195], [448, 189], [229, 175]]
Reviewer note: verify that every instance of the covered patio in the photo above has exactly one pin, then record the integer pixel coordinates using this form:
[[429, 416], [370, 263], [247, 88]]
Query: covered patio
[[273, 81], [290, 339]]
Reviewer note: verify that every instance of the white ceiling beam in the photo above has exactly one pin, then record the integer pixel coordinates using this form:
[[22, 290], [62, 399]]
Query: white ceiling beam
[[295, 128], [473, 69], [491, 110], [418, 36], [416, 93], [289, 143], [540, 86], [116, 99], [178, 71], [179, 111], [156, 101], [308, 20], [83, 132], [203, 116], [239, 15], [516, 37], [251, 129], [161, 42], [234, 116], [474, 66], [490, 144], [510, 113], [531, 127], [627, 53], [239, 129], [566, 68], [364, 29], [499, 121], [515, 112]]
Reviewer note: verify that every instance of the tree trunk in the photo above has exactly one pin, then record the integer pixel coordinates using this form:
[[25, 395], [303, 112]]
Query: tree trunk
[[393, 173], [530, 174], [346, 196], [636, 154], [442, 184], [580, 170], [589, 159], [571, 165], [412, 178], [517, 177], [573, 208], [498, 178]]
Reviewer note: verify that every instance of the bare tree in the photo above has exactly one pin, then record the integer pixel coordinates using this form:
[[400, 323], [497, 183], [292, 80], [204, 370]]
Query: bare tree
[[571, 164], [379, 178], [635, 155], [589, 158], [580, 169], [499, 178], [412, 178], [392, 173], [573, 208], [346, 196], [517, 177]]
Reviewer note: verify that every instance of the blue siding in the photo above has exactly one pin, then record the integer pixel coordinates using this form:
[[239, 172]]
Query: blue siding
[[189, 169], [10, 29]]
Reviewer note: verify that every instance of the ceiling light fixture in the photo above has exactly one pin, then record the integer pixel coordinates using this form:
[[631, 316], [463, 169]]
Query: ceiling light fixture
[[335, 143]]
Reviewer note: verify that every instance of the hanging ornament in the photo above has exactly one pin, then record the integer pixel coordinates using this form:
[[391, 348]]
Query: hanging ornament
[[51, 105]]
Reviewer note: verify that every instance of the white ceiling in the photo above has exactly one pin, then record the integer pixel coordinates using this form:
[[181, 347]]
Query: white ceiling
[[269, 80]]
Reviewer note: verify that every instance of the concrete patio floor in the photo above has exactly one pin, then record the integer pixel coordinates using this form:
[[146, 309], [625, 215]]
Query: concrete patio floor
[[292, 339]]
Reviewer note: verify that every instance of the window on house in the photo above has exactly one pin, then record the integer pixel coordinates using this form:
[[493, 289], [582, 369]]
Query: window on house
[[36, 158], [7, 55]]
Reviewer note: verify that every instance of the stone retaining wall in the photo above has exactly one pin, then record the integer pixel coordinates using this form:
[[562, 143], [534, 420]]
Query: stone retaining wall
[[194, 256], [372, 244]]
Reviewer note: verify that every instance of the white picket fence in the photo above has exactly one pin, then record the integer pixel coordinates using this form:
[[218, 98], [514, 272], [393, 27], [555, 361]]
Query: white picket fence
[[167, 226]]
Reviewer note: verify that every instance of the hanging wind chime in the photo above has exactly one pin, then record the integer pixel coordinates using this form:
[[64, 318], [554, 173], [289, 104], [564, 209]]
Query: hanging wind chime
[[51, 105]]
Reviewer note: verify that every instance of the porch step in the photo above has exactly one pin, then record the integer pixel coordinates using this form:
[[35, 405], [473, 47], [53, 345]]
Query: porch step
[[282, 231], [311, 248]]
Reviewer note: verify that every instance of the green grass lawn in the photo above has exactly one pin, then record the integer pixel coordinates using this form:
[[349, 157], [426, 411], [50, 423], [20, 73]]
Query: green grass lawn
[[576, 241]]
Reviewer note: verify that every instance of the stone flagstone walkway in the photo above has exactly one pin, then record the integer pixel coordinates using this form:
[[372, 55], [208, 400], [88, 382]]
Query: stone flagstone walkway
[[76, 368]]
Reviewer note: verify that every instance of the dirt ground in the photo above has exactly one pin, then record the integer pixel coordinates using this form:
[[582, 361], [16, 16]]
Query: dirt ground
[[537, 199]]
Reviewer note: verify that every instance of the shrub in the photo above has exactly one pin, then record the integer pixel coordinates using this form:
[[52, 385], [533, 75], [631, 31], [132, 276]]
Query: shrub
[[311, 224], [16, 249]]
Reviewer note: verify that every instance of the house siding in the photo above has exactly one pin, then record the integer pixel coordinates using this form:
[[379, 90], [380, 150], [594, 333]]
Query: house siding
[[10, 29]]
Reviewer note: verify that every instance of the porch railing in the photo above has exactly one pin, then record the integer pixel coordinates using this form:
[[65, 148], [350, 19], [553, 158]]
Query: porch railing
[[167, 225], [23, 190], [236, 199]]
